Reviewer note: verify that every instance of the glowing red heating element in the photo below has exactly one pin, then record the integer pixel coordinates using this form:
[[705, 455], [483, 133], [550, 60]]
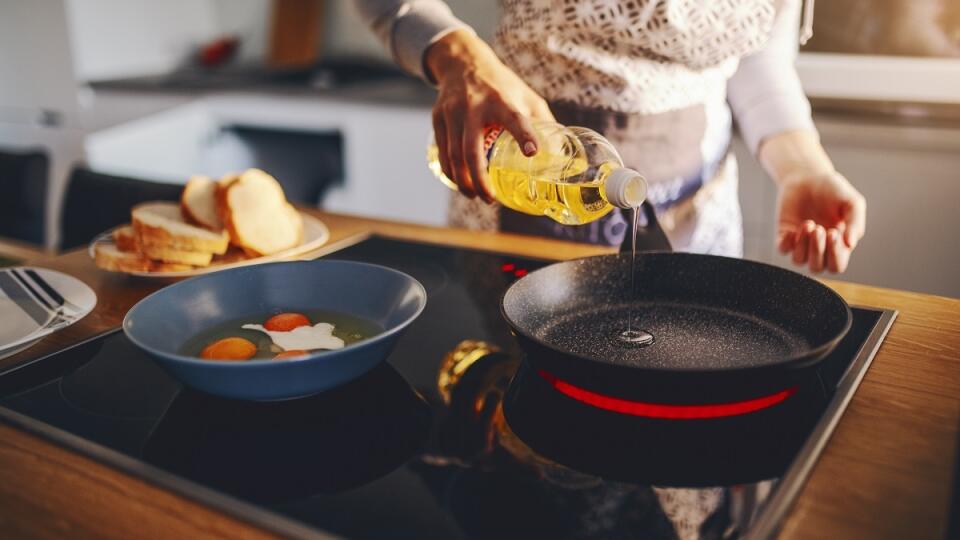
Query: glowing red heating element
[[663, 410]]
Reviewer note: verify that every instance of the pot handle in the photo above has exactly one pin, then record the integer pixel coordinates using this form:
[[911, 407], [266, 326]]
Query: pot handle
[[649, 238]]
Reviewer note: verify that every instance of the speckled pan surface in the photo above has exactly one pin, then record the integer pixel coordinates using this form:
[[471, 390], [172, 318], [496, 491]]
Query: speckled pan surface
[[706, 312]]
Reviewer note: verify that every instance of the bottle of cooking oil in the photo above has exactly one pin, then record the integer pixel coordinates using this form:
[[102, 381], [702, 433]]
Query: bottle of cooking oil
[[575, 177]]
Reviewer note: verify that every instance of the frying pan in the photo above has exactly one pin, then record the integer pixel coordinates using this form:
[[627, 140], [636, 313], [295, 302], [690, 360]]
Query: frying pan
[[731, 336]]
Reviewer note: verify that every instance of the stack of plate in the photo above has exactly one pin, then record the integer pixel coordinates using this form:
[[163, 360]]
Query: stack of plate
[[36, 302]]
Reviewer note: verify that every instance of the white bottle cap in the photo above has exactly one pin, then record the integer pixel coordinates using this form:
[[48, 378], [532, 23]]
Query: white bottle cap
[[625, 188]]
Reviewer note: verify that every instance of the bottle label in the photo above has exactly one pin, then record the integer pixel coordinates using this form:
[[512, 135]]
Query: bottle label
[[490, 136]]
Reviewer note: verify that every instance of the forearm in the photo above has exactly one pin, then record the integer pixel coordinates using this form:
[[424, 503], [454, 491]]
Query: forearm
[[794, 154], [454, 54], [409, 27], [765, 92]]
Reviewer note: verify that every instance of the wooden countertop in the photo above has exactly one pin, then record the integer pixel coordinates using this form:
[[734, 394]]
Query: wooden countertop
[[885, 473]]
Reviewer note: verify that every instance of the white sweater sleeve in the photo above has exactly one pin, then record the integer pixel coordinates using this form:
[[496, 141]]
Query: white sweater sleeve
[[408, 27], [765, 92]]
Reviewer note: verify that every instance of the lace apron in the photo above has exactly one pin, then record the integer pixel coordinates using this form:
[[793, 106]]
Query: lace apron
[[697, 203], [651, 76]]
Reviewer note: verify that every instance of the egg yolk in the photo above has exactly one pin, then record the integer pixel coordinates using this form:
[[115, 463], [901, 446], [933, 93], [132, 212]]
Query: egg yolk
[[284, 322], [290, 354], [231, 348]]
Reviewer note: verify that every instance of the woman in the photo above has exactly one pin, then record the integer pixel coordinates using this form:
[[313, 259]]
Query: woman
[[659, 78]]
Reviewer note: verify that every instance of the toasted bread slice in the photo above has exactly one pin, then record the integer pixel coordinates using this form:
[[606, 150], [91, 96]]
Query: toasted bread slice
[[227, 179], [125, 238], [169, 267], [257, 215], [160, 224], [176, 256], [109, 257], [198, 203], [233, 255]]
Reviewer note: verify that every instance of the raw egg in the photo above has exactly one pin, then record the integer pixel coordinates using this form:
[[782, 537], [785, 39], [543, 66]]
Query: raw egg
[[231, 348], [296, 353], [285, 322], [318, 336]]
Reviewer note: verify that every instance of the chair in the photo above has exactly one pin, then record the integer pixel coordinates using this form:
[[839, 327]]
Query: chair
[[95, 202], [306, 164], [23, 194]]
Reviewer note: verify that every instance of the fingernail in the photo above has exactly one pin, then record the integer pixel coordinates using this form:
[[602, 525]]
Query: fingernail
[[529, 148]]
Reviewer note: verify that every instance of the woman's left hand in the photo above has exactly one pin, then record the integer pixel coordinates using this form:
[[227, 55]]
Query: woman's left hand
[[822, 218]]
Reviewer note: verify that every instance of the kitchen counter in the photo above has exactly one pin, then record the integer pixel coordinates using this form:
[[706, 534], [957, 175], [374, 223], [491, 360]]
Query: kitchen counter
[[345, 81], [885, 473]]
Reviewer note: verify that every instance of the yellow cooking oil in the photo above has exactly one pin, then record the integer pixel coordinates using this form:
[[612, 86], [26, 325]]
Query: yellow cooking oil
[[575, 177]]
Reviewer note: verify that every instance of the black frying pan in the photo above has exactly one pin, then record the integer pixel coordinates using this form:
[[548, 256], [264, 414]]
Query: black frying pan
[[730, 335]]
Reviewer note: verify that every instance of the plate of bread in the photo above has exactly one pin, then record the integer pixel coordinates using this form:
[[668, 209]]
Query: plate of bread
[[238, 220]]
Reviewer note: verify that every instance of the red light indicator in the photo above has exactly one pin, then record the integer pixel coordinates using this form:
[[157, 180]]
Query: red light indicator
[[508, 267], [664, 410], [520, 272]]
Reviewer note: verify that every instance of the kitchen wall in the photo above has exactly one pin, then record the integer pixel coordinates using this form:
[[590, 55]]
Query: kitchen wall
[[127, 38], [121, 38]]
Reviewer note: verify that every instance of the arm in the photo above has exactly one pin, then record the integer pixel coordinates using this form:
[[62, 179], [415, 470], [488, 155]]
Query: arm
[[408, 28], [821, 215], [476, 90]]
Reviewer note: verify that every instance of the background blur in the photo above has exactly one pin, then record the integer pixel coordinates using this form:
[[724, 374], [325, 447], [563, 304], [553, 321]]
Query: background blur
[[163, 90]]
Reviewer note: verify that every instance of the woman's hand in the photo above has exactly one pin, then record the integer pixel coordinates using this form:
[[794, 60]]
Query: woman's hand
[[822, 217], [477, 91]]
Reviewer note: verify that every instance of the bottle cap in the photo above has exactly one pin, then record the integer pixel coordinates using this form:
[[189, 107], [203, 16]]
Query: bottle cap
[[625, 188]]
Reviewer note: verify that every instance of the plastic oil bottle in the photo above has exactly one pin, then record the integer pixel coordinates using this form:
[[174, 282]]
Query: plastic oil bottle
[[575, 177]]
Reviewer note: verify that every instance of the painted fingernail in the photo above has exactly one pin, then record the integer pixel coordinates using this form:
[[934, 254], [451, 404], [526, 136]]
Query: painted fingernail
[[529, 148]]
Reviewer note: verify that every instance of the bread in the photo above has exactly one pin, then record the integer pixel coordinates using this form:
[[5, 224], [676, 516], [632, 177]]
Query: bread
[[125, 238], [176, 256], [247, 210], [233, 255], [109, 257], [198, 203], [257, 215], [169, 267], [160, 224]]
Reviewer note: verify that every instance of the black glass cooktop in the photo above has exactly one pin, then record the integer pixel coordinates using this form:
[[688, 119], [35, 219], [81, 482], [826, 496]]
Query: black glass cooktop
[[419, 447]]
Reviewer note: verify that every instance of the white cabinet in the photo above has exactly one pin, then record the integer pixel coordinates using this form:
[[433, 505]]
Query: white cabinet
[[384, 148]]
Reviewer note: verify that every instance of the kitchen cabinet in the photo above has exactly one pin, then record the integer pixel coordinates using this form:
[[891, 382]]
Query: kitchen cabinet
[[910, 176], [384, 147]]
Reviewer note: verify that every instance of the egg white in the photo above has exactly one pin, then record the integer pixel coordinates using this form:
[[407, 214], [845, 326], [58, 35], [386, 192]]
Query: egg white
[[318, 336]]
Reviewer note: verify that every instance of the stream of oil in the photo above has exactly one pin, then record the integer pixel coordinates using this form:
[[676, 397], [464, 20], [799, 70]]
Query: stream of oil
[[634, 336]]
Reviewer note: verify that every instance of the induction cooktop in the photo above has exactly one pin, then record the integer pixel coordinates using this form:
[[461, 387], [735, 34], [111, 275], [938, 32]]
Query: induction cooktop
[[419, 447]]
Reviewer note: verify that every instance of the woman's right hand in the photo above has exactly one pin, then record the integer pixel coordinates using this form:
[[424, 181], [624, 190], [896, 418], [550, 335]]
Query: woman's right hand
[[477, 91]]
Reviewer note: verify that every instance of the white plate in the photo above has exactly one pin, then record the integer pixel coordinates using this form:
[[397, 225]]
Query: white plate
[[315, 235], [19, 329]]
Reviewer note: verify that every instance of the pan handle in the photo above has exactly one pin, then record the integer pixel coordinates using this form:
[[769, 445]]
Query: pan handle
[[649, 238]]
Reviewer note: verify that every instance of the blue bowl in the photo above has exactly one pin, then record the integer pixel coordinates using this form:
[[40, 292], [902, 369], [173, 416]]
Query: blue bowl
[[161, 323]]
